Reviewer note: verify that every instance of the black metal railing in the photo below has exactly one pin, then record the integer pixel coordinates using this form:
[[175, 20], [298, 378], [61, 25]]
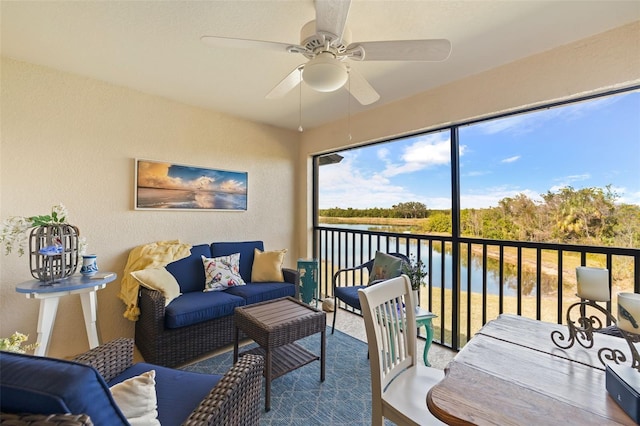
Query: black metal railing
[[536, 280]]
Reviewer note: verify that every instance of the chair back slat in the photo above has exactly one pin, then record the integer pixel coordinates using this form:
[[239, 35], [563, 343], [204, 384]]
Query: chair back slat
[[388, 313]]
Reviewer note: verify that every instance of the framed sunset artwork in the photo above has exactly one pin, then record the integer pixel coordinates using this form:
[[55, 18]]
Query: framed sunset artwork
[[170, 186]]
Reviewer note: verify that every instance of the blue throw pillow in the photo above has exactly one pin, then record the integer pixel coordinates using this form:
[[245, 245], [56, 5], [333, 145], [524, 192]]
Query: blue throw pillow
[[245, 248], [41, 385]]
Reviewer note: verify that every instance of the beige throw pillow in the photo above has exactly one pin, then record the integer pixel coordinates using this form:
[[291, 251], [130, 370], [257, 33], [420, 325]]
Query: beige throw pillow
[[136, 398], [158, 279], [267, 266]]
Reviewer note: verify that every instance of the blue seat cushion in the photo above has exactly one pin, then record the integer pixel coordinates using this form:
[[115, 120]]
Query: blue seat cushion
[[41, 385], [189, 272], [245, 248], [260, 292], [179, 392], [196, 307], [349, 295]]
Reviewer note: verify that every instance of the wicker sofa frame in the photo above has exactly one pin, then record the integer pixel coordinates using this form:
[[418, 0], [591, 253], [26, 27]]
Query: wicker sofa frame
[[235, 400], [172, 347]]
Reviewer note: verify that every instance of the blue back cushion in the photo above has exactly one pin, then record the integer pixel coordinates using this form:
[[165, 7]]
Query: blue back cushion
[[40, 385], [179, 392], [189, 272], [245, 248], [195, 307], [260, 292]]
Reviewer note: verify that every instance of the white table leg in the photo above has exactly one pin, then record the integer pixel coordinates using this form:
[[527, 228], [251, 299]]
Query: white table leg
[[46, 318], [89, 309]]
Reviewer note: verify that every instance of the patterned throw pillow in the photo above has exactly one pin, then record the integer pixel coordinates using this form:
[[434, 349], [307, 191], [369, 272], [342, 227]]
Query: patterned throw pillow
[[385, 267], [222, 272]]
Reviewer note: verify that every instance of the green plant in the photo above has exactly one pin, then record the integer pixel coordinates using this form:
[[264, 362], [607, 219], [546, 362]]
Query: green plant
[[14, 231], [416, 271], [14, 343]]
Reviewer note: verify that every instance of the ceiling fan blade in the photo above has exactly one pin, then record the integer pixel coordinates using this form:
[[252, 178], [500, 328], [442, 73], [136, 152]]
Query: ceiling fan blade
[[401, 50], [331, 16], [360, 88], [240, 43], [287, 84]]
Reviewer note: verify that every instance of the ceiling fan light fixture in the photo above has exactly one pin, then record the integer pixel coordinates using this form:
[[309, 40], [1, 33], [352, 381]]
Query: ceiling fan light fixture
[[325, 73]]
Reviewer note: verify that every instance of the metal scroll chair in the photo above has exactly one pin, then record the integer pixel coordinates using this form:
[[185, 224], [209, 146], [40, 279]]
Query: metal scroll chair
[[349, 293], [399, 382]]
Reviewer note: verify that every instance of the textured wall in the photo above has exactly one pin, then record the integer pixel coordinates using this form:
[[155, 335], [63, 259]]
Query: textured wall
[[73, 140]]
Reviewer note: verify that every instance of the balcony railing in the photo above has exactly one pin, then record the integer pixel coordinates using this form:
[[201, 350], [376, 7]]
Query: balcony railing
[[535, 280]]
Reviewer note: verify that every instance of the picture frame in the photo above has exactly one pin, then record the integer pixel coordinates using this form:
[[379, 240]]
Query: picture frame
[[162, 185]]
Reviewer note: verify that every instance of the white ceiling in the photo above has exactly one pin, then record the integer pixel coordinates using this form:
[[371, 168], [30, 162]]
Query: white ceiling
[[155, 47]]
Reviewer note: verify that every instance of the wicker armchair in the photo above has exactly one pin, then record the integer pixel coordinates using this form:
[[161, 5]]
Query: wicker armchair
[[235, 399]]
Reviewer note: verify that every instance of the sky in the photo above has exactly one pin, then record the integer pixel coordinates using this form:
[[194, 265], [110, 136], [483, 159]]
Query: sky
[[588, 144], [174, 176]]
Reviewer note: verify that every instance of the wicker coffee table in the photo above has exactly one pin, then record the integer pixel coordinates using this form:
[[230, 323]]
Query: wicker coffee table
[[275, 325]]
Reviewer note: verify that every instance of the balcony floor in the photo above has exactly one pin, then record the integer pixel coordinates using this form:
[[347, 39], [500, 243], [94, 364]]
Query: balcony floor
[[353, 325]]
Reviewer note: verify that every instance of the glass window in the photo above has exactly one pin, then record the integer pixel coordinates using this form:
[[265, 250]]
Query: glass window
[[554, 175]]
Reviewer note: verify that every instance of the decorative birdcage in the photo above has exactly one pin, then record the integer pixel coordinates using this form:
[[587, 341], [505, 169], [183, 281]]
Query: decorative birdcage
[[53, 251]]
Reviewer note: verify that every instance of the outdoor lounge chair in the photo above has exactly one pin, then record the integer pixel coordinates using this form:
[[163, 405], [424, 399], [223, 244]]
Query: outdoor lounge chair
[[348, 293]]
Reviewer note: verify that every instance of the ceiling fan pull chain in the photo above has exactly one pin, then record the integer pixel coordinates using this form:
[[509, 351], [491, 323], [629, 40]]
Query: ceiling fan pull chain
[[300, 129], [349, 104]]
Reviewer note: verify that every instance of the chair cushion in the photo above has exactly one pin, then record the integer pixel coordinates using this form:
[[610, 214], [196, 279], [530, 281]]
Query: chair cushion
[[260, 292], [385, 266], [349, 295], [193, 308], [178, 392], [41, 385], [245, 248], [189, 272]]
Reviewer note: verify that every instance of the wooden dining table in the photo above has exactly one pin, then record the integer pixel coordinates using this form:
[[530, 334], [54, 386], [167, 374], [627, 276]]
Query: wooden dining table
[[511, 373]]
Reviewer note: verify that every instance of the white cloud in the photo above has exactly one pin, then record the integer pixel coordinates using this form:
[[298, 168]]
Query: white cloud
[[511, 123], [427, 151], [511, 159], [628, 198], [476, 173], [491, 196], [383, 153], [566, 181], [524, 123], [347, 185]]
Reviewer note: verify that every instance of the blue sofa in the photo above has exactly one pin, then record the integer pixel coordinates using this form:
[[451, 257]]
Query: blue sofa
[[198, 322], [41, 390]]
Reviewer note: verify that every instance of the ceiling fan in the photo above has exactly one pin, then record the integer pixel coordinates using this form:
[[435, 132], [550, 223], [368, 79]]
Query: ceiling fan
[[326, 42]]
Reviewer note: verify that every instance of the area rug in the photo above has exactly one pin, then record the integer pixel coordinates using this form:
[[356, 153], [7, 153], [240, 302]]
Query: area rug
[[299, 398]]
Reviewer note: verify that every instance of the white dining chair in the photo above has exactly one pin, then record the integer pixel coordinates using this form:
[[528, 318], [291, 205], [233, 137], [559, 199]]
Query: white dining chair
[[399, 381]]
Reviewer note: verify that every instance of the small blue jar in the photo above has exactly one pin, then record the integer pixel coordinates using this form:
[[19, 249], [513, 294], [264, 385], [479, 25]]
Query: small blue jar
[[89, 265]]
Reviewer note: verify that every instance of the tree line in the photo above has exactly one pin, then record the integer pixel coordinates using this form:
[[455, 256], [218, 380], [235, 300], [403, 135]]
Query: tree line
[[409, 210], [572, 216]]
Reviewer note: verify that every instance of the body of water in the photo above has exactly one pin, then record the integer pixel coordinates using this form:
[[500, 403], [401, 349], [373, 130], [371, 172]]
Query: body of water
[[155, 198], [436, 256]]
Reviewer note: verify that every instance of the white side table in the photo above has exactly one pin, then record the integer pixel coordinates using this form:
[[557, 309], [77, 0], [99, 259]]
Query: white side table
[[50, 294]]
